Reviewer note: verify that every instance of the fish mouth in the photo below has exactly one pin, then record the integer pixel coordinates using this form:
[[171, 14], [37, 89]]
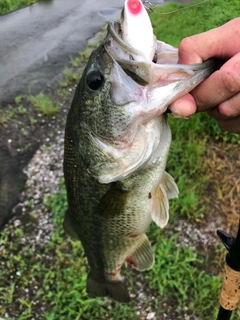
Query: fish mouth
[[141, 70], [115, 33]]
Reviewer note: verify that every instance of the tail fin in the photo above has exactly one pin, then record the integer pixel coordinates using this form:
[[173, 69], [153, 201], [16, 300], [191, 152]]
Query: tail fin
[[115, 289]]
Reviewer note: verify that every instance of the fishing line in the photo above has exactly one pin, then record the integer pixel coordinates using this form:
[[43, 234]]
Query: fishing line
[[151, 8]]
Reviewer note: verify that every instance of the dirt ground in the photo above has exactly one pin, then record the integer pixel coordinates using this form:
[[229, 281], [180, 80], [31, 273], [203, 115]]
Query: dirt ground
[[22, 134], [223, 190]]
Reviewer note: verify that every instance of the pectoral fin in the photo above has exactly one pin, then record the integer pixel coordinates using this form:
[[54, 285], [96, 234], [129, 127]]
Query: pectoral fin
[[160, 208], [169, 186], [143, 257]]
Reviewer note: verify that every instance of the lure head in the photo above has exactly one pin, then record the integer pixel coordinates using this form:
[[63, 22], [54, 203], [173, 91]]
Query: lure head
[[137, 29], [134, 7]]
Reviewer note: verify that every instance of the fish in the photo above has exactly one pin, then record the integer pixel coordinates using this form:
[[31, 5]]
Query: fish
[[117, 140]]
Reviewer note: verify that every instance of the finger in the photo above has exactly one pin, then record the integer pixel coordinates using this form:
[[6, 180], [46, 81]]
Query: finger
[[228, 124], [216, 43], [231, 125], [183, 107], [220, 86], [231, 107], [227, 110], [215, 114]]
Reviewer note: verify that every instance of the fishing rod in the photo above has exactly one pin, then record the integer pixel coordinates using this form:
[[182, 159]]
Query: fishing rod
[[230, 294]]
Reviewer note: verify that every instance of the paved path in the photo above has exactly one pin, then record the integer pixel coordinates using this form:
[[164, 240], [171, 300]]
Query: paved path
[[36, 42]]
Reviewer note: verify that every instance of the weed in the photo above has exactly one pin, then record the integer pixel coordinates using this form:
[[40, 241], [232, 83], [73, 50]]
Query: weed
[[63, 92], [76, 62], [10, 5], [6, 116], [32, 120], [44, 104], [19, 99], [21, 110], [69, 77], [84, 55]]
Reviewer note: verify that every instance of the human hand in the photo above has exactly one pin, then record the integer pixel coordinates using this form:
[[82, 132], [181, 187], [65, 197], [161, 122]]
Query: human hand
[[219, 94]]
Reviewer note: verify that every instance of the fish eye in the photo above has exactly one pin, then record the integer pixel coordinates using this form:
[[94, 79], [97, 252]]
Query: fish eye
[[95, 80]]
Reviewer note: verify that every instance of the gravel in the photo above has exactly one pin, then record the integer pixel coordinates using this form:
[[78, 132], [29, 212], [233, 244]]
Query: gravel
[[44, 173]]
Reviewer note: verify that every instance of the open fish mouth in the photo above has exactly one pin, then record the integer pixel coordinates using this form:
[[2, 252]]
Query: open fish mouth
[[124, 50], [141, 69], [124, 54]]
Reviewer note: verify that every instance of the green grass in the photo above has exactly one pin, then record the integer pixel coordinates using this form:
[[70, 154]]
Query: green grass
[[55, 275], [8, 115], [44, 104], [178, 274], [27, 106], [11, 5], [192, 20], [69, 75]]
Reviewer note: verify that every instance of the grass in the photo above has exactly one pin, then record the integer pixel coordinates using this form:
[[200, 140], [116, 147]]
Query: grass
[[182, 278], [177, 273], [8, 115], [192, 20], [69, 76], [44, 104], [11, 5], [27, 106]]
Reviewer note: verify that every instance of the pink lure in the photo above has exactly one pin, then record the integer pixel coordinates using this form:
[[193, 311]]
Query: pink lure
[[137, 29], [134, 6]]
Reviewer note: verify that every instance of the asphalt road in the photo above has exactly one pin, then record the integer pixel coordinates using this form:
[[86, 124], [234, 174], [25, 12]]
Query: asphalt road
[[36, 42]]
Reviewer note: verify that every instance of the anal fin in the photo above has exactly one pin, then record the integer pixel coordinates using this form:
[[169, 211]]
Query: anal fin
[[114, 289], [143, 257]]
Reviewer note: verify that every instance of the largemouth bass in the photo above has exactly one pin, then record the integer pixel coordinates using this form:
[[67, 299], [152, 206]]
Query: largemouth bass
[[117, 141]]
